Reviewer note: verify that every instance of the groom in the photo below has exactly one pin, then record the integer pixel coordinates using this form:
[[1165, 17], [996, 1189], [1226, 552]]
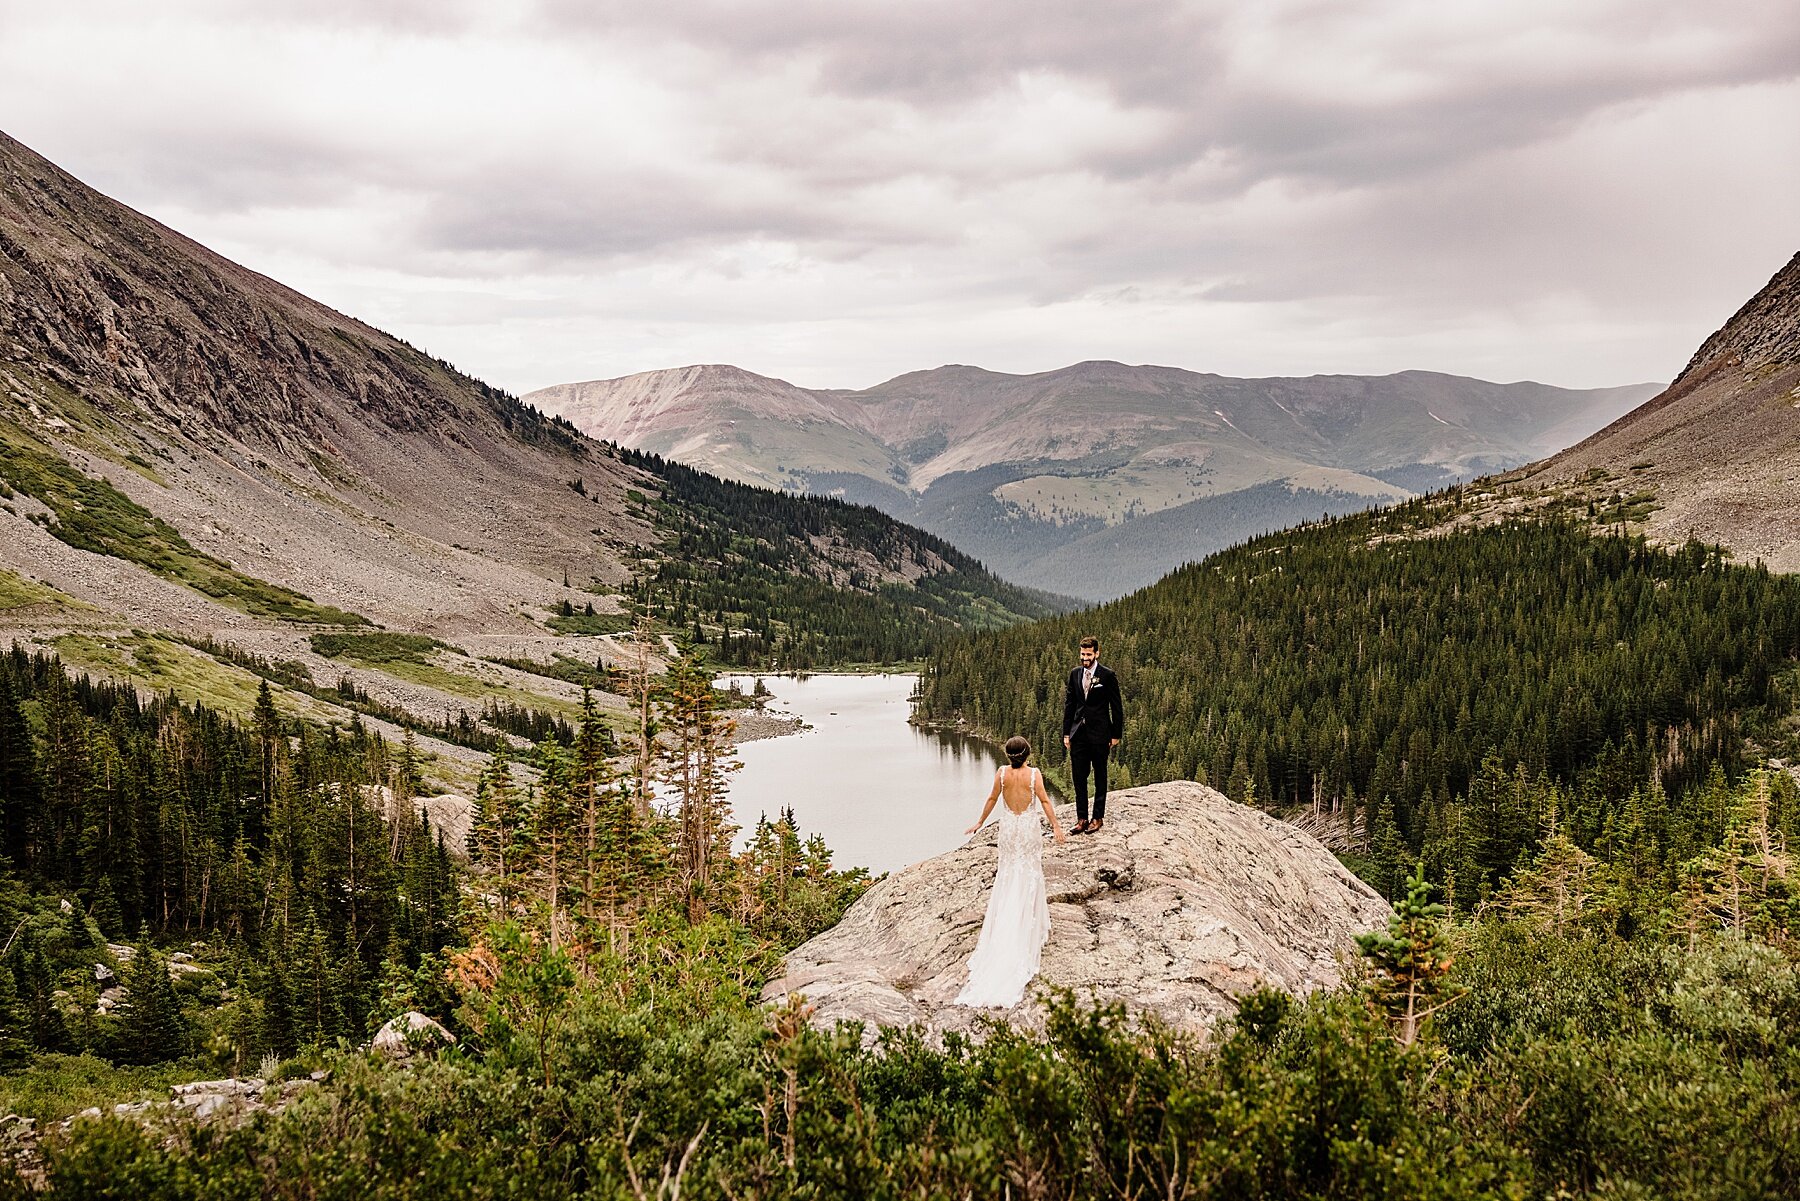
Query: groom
[[1093, 723]]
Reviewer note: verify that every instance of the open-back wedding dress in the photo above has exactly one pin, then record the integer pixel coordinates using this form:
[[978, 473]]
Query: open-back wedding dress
[[1018, 914]]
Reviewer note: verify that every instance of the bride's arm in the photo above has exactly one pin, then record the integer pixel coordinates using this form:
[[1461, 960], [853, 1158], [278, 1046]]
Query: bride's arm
[[987, 808], [1056, 830]]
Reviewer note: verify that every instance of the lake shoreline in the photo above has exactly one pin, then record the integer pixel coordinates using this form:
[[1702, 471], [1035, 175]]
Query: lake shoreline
[[882, 792]]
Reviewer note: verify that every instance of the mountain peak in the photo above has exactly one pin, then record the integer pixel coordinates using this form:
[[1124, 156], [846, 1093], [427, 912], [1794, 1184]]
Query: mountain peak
[[1764, 333], [1717, 452]]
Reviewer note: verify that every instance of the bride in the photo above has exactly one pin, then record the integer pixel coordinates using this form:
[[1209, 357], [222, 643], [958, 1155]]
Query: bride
[[1018, 915]]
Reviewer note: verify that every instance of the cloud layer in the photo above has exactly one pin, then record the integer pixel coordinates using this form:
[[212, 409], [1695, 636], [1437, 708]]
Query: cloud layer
[[834, 191]]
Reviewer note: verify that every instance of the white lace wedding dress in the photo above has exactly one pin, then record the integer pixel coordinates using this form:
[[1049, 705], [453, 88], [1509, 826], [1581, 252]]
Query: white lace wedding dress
[[1018, 914]]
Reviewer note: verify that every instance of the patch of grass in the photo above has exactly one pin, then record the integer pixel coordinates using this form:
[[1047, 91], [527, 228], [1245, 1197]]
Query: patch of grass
[[167, 665], [1620, 509], [430, 675], [17, 592], [90, 514], [381, 648], [409, 657], [55, 1086], [560, 667]]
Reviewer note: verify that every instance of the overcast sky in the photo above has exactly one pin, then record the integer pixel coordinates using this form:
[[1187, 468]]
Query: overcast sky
[[837, 191]]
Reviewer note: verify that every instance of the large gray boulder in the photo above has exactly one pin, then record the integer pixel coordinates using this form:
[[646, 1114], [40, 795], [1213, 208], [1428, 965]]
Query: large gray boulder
[[412, 1031], [1186, 901]]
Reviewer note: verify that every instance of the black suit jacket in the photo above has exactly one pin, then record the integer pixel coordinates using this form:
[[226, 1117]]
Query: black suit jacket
[[1099, 716]]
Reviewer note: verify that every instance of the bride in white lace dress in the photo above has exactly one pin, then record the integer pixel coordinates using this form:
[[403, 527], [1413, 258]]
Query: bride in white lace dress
[[1018, 914]]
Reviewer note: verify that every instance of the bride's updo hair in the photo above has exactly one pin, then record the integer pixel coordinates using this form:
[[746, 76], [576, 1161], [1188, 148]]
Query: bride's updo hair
[[1017, 750]]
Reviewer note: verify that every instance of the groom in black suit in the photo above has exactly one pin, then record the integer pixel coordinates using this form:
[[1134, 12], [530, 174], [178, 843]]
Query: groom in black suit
[[1093, 723]]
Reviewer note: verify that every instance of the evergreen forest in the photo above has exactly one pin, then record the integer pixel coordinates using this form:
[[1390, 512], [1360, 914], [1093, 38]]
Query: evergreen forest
[[1453, 696], [265, 855], [770, 580]]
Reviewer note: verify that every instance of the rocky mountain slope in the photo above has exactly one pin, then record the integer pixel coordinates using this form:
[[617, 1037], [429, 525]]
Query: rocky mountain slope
[[1141, 467], [1186, 902], [188, 446], [1716, 456]]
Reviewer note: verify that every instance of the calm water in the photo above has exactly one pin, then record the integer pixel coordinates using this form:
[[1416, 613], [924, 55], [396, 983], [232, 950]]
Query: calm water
[[916, 792]]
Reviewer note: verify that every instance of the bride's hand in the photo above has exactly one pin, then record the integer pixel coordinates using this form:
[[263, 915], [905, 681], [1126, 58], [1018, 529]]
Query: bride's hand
[[1059, 836], [973, 828]]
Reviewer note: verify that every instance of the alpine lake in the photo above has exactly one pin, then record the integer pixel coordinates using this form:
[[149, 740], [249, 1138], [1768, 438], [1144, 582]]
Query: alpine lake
[[882, 792]]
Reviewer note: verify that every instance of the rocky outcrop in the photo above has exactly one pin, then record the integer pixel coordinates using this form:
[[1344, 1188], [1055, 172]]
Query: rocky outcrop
[[1186, 901], [411, 1032], [229, 1102]]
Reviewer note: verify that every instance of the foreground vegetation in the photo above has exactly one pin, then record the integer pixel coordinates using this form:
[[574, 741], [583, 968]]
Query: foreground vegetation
[[1570, 1060]]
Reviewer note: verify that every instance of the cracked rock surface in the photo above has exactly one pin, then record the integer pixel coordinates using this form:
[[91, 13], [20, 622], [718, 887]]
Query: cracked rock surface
[[1184, 902]]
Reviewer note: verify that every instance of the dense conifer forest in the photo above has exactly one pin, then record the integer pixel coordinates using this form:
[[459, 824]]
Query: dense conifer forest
[[768, 579], [267, 846], [1453, 696]]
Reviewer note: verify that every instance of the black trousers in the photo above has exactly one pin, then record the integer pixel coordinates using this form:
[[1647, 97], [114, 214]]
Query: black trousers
[[1082, 757]]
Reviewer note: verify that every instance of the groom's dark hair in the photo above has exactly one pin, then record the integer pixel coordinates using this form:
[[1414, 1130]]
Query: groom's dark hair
[[1017, 749], [1090, 641]]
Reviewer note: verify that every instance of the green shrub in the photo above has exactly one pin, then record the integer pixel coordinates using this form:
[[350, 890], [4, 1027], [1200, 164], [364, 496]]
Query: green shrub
[[377, 647]]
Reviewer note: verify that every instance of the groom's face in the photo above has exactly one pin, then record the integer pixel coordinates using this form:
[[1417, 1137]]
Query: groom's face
[[1089, 656]]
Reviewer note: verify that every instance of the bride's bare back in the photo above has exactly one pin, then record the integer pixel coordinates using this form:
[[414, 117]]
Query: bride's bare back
[[1020, 788], [1017, 790]]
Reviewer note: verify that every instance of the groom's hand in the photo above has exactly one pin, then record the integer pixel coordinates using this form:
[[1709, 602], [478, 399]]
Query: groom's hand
[[1114, 742], [1065, 742]]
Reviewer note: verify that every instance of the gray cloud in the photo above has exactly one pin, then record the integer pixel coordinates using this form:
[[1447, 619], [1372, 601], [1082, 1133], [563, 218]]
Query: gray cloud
[[839, 184], [932, 52]]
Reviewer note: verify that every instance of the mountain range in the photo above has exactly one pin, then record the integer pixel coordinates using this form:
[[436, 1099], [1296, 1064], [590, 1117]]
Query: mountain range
[[1098, 478]]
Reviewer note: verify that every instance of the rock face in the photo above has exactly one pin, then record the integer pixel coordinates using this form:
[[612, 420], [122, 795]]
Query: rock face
[[1184, 902]]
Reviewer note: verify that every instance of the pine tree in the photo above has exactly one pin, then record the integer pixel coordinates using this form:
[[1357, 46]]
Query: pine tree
[[106, 912], [495, 834], [700, 764], [15, 1023], [154, 1027], [590, 776], [1748, 883], [18, 774], [553, 827], [270, 738], [641, 688], [1559, 888], [278, 1030], [1411, 959]]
